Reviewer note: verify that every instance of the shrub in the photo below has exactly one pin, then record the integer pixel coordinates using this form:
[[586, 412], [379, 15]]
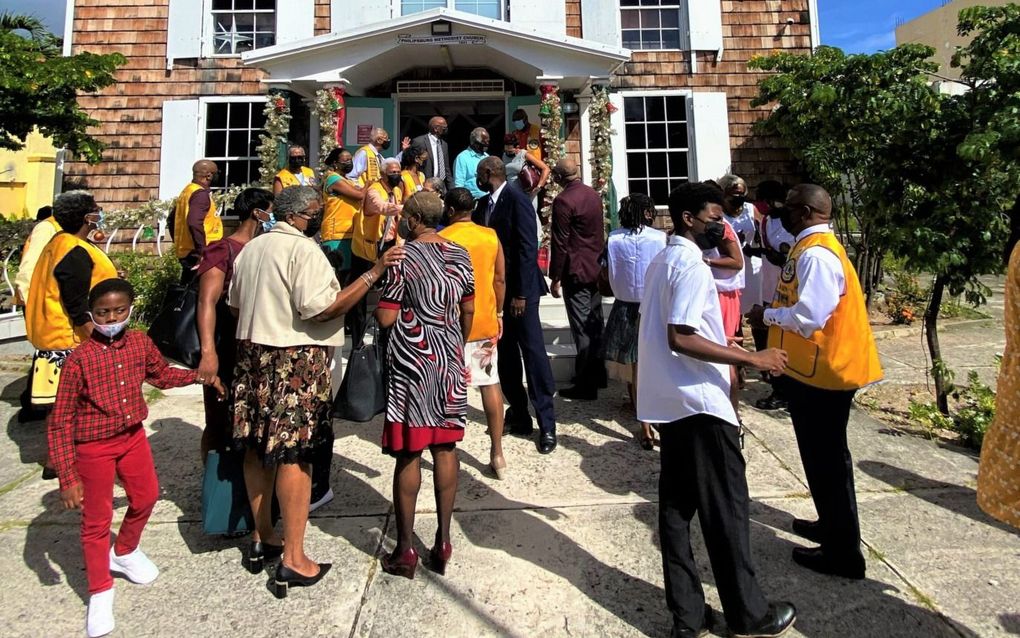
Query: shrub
[[974, 413], [150, 275], [905, 299]]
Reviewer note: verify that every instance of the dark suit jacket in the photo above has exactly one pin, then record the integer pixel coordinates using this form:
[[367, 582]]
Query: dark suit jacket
[[423, 141], [516, 225], [578, 235]]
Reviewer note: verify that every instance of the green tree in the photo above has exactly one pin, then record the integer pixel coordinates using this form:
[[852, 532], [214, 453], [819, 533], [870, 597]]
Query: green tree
[[929, 177], [39, 87]]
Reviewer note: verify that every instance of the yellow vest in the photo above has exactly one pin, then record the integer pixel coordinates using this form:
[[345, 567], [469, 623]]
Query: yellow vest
[[369, 230], [47, 323], [483, 247], [410, 184], [372, 170], [182, 234], [339, 212], [842, 355], [288, 178]]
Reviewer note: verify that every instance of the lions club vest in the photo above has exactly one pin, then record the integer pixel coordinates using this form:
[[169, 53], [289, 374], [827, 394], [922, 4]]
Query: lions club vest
[[842, 355], [183, 242], [287, 178], [368, 231], [338, 217]]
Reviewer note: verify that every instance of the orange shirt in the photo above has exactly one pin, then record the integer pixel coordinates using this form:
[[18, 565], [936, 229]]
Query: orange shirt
[[482, 245]]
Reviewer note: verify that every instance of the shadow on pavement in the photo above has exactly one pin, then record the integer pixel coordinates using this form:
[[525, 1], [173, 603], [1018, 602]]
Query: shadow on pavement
[[53, 546], [30, 437], [928, 490]]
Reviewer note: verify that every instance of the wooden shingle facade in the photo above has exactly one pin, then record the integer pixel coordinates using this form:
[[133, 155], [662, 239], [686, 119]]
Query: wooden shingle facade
[[686, 78]]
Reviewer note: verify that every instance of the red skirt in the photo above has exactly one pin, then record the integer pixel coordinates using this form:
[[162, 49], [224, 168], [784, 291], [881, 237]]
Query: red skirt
[[398, 438], [729, 303]]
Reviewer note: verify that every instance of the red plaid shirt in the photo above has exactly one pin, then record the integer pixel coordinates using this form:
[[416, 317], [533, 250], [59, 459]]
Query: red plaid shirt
[[100, 394]]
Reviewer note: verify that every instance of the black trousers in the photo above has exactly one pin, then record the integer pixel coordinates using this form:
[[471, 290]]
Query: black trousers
[[523, 338], [820, 420], [584, 312], [703, 473]]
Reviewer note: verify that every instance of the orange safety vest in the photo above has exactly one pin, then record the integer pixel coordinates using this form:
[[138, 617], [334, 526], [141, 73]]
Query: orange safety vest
[[287, 178], [368, 231], [842, 355], [47, 323], [339, 212], [212, 223]]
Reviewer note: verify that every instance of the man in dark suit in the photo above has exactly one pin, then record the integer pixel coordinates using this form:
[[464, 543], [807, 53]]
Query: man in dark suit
[[434, 143], [578, 240], [509, 212]]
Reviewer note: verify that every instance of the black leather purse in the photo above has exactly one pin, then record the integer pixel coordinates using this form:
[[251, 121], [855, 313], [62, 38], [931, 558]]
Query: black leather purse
[[362, 393], [175, 328]]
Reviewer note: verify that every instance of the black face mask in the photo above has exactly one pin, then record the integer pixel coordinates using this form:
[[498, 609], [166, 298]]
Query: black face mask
[[384, 146], [440, 133], [784, 215], [314, 226], [478, 147], [712, 237], [737, 202], [393, 179], [296, 163], [345, 167]]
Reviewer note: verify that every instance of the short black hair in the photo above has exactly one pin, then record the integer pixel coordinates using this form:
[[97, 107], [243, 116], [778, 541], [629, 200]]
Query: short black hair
[[410, 156], [692, 197], [44, 213], [108, 286], [251, 198], [334, 156], [70, 209], [771, 191], [460, 200], [633, 209]]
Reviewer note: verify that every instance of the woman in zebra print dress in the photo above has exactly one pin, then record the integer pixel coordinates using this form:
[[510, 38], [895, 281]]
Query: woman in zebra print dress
[[428, 301]]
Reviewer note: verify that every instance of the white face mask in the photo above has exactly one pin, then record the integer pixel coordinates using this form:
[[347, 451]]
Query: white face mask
[[111, 330]]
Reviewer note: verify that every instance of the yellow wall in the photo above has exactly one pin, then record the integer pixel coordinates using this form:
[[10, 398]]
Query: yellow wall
[[26, 177], [937, 29]]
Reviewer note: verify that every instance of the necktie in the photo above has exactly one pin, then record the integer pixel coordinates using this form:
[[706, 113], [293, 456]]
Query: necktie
[[440, 168], [489, 209]]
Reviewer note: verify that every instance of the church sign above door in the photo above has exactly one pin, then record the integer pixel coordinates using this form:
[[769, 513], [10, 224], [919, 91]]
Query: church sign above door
[[407, 38]]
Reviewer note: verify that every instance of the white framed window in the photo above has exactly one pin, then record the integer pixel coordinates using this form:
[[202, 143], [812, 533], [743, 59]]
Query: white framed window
[[657, 139], [495, 9], [242, 25], [229, 136], [652, 24]]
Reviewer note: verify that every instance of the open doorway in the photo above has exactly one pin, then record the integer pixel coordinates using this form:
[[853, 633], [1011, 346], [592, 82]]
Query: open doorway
[[462, 116]]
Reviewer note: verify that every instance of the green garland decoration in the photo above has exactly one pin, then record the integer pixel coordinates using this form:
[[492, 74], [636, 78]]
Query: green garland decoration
[[600, 111], [326, 107], [551, 111], [277, 129]]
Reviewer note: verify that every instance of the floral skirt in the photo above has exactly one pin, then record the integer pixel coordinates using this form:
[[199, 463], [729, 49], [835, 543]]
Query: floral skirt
[[620, 339], [282, 401]]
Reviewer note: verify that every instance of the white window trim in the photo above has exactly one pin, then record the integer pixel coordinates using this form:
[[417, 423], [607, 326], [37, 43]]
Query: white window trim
[[209, 31], [398, 9], [621, 172], [682, 26], [203, 105]]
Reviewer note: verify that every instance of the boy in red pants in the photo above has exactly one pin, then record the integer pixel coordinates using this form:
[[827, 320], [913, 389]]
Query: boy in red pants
[[95, 434]]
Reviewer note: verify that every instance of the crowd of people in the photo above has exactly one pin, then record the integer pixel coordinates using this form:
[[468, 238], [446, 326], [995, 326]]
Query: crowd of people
[[450, 245]]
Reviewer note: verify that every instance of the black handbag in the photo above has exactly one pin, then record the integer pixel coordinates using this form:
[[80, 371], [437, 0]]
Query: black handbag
[[362, 393], [175, 328]]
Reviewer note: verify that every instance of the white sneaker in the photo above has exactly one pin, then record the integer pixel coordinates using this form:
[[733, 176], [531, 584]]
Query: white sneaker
[[99, 621], [327, 497], [136, 566]]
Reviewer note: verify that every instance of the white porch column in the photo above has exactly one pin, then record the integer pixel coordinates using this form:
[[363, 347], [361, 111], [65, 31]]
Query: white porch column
[[314, 143], [583, 102]]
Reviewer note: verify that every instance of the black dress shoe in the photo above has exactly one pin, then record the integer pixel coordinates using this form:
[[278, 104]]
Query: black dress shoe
[[815, 559], [286, 578], [770, 403], [777, 621], [518, 423], [577, 393], [546, 442], [811, 530], [706, 627]]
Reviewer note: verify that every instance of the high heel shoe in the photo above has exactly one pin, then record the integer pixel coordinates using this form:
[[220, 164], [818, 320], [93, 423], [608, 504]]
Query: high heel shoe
[[439, 556], [402, 565], [286, 578], [259, 554], [498, 470]]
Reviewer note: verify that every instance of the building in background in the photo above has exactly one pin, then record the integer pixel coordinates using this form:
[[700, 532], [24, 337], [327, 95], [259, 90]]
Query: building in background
[[937, 29], [27, 177], [198, 73]]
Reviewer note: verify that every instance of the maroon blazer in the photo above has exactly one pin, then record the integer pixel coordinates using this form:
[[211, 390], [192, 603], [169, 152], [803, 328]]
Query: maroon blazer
[[578, 235]]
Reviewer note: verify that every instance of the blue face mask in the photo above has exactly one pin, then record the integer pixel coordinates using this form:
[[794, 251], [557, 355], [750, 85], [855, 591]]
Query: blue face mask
[[111, 330], [519, 125], [269, 223], [101, 221]]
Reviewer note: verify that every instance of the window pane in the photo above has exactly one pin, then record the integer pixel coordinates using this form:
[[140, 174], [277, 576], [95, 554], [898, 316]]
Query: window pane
[[678, 164], [655, 109], [265, 22], [670, 18], [237, 143], [632, 39], [629, 3], [237, 172], [659, 191], [258, 117], [264, 40], [221, 5], [677, 135], [265, 4], [633, 109], [630, 19], [657, 136], [649, 19], [215, 143], [247, 5], [676, 108], [637, 186], [636, 165], [658, 164], [636, 136], [217, 115], [670, 40], [414, 6], [245, 22], [239, 115]]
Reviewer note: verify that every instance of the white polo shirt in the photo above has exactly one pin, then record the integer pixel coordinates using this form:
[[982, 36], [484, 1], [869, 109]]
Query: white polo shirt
[[680, 291], [628, 253]]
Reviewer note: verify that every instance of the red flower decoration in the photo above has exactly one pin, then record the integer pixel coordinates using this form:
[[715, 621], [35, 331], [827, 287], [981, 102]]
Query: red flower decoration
[[280, 104], [611, 108], [546, 89]]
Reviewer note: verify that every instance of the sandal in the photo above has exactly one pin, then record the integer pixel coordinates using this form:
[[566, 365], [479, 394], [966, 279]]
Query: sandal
[[647, 442]]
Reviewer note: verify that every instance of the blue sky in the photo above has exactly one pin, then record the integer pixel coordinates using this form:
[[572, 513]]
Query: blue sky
[[866, 26], [855, 26]]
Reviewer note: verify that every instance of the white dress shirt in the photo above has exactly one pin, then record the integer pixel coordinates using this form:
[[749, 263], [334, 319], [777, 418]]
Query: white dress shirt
[[775, 237], [493, 200], [628, 254], [680, 291], [820, 284], [744, 225], [434, 142]]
